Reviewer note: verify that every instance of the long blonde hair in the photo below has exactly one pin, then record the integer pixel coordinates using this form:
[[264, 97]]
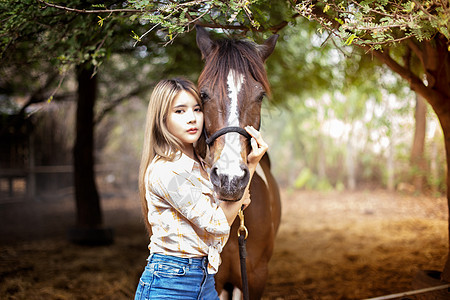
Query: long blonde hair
[[157, 139]]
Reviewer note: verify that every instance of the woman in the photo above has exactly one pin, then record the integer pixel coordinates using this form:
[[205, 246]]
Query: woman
[[188, 226]]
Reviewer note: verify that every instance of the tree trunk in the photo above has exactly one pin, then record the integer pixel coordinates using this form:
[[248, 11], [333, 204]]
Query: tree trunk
[[445, 123], [434, 170], [350, 162], [89, 223], [390, 165], [435, 59], [321, 162], [417, 158]]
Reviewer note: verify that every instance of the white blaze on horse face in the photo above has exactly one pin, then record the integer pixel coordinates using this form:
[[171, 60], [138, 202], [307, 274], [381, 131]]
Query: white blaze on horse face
[[230, 160]]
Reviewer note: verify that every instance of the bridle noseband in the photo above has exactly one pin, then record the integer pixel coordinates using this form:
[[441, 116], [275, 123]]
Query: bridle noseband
[[222, 131]]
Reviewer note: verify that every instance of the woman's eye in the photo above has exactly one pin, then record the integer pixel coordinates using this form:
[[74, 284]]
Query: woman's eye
[[178, 111], [198, 109]]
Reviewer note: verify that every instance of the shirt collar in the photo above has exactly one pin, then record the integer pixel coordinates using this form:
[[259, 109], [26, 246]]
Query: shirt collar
[[185, 161], [188, 163]]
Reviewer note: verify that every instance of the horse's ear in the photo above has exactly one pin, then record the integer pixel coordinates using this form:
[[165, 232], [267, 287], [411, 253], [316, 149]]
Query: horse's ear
[[204, 42], [267, 48]]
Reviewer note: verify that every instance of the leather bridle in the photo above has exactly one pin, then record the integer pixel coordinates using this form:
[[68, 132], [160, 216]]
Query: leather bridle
[[222, 131]]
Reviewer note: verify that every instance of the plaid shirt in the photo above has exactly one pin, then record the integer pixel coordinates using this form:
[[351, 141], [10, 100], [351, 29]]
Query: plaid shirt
[[186, 220]]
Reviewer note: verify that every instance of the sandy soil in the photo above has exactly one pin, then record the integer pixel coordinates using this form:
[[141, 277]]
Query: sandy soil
[[355, 245], [347, 245]]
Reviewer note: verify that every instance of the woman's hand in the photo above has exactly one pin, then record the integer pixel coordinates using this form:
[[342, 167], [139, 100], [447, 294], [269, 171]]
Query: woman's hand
[[259, 147]]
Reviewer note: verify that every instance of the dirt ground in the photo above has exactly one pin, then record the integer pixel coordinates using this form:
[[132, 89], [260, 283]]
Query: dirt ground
[[334, 245]]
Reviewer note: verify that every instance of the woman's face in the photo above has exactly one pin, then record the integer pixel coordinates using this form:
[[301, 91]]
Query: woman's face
[[185, 119]]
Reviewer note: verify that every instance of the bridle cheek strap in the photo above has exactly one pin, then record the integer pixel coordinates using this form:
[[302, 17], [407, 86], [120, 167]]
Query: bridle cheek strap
[[222, 131]]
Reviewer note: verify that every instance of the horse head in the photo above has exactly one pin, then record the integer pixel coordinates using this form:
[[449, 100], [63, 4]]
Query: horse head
[[232, 86]]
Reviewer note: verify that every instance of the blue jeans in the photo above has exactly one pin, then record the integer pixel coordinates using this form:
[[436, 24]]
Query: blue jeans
[[170, 277]]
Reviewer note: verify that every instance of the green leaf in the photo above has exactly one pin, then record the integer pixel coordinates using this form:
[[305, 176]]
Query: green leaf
[[100, 22], [135, 36], [339, 21], [350, 39]]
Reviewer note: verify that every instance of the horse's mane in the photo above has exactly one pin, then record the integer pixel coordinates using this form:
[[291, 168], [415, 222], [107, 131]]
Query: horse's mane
[[241, 55]]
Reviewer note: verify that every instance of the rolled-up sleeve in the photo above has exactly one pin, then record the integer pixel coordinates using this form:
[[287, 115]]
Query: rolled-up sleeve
[[185, 192]]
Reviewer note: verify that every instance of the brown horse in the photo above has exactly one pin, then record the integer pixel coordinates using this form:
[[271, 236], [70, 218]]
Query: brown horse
[[232, 85]]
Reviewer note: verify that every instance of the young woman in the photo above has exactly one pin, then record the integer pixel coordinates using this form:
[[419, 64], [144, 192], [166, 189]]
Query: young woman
[[188, 226]]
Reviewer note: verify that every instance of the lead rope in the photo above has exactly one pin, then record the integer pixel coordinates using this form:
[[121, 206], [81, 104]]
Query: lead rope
[[243, 252]]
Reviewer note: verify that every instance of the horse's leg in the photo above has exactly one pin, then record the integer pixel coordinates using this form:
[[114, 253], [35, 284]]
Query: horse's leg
[[221, 277], [227, 270], [230, 292], [257, 281], [225, 295], [237, 294]]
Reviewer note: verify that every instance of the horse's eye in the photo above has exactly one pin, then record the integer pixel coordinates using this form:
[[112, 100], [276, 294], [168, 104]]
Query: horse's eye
[[261, 97], [204, 96]]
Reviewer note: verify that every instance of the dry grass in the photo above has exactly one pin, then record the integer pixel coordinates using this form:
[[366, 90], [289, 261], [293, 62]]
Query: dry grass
[[330, 246], [55, 269]]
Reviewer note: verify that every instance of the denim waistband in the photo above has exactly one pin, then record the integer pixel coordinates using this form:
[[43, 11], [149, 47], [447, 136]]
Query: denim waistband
[[194, 261]]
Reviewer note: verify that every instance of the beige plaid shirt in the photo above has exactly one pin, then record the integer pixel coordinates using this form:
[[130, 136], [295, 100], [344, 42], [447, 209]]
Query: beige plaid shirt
[[186, 220]]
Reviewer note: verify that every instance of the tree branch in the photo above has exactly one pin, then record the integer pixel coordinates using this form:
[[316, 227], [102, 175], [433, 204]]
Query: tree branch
[[37, 96], [91, 11], [415, 48], [116, 102], [274, 29], [396, 67], [433, 96]]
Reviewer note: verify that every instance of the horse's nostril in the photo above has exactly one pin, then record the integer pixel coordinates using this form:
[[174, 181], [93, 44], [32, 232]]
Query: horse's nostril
[[244, 169], [246, 176], [214, 176]]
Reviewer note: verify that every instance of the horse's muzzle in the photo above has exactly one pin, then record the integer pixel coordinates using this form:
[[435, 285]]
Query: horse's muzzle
[[227, 187]]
